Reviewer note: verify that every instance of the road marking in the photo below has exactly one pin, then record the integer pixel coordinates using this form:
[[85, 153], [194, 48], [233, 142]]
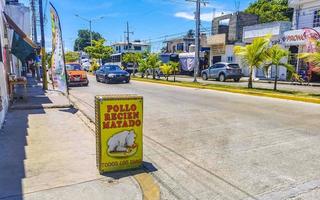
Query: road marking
[[150, 189]]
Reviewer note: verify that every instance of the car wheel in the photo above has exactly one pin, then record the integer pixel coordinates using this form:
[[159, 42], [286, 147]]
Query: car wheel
[[222, 78], [236, 79], [97, 79], [128, 81], [204, 76]]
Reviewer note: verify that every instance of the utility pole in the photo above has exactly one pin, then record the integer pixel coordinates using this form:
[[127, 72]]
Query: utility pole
[[43, 50], [90, 24], [197, 42], [128, 36]]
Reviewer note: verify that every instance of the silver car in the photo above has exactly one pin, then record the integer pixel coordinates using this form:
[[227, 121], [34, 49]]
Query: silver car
[[222, 71]]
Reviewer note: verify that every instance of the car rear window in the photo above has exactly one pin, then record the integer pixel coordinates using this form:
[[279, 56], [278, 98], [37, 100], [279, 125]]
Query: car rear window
[[234, 66], [73, 67]]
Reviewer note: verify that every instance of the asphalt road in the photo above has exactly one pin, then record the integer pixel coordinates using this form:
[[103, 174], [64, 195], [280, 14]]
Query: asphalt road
[[215, 145]]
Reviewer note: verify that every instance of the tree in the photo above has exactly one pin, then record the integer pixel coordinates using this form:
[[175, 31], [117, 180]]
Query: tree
[[132, 58], [83, 39], [99, 50], [253, 55], [175, 68], [270, 10], [154, 62], [166, 69], [72, 56], [275, 55], [313, 59], [190, 34], [143, 66]]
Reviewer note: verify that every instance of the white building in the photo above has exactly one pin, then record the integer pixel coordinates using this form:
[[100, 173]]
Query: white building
[[306, 25], [306, 13], [135, 47]]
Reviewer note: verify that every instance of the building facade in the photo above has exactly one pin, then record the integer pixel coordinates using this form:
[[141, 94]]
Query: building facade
[[4, 95], [276, 30], [227, 31], [135, 47], [306, 29]]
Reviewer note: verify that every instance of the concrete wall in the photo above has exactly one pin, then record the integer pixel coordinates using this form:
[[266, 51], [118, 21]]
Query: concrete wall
[[236, 23], [4, 99]]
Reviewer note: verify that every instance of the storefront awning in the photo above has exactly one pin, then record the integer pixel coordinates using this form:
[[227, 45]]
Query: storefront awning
[[22, 46]]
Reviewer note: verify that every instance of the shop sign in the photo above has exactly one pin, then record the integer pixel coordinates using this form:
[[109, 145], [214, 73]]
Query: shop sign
[[119, 122], [301, 36], [219, 49]]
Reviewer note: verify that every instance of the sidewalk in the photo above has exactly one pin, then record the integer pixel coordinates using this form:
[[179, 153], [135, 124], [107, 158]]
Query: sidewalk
[[47, 152]]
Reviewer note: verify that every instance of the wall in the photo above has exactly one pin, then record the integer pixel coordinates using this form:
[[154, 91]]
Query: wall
[[4, 102], [304, 13]]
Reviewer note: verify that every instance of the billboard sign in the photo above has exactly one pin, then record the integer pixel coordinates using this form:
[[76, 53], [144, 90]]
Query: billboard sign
[[119, 126]]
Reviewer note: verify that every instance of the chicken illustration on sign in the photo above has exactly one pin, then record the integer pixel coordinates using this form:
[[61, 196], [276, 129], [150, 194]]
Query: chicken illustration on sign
[[122, 142]]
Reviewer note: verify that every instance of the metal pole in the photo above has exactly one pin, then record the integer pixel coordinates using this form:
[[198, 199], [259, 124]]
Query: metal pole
[[196, 59], [43, 50], [90, 25]]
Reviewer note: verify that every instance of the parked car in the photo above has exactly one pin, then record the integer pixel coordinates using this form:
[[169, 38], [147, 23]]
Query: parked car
[[222, 71], [76, 75], [112, 73]]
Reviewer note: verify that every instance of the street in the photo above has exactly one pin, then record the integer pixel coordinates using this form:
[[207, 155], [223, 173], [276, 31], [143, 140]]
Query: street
[[214, 145]]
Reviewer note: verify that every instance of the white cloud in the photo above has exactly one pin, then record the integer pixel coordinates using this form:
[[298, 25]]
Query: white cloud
[[204, 16]]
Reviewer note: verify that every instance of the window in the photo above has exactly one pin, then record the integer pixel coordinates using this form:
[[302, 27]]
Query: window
[[180, 47], [316, 19], [137, 48], [230, 59]]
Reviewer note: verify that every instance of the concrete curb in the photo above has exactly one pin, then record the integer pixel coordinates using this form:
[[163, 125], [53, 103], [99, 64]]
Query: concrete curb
[[149, 188], [37, 107]]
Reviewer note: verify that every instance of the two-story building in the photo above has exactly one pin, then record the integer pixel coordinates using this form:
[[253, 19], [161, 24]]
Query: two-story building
[[136, 46], [227, 31], [306, 29]]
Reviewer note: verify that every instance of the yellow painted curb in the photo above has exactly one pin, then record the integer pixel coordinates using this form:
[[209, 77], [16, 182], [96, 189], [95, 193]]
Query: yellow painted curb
[[150, 189], [234, 90]]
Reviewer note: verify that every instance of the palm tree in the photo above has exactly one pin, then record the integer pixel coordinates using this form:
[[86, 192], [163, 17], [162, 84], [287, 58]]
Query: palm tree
[[166, 69], [275, 54], [154, 63], [174, 68], [132, 58], [253, 55], [312, 58]]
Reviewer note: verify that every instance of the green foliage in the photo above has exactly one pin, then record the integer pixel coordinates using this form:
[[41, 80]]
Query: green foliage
[[83, 39], [166, 69], [72, 56], [175, 68], [99, 50], [253, 55], [313, 58], [132, 57], [94, 66], [275, 54], [271, 10], [143, 65]]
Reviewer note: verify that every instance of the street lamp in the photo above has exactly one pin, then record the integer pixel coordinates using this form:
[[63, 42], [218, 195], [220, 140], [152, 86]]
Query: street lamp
[[90, 24]]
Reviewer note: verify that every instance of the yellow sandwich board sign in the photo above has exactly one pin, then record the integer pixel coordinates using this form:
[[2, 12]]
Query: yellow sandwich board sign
[[119, 122]]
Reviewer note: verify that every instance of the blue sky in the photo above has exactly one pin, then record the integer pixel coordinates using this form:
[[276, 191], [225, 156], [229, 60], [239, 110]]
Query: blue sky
[[148, 19]]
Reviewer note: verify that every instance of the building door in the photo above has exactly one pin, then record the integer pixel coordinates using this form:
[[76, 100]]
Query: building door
[[215, 59]]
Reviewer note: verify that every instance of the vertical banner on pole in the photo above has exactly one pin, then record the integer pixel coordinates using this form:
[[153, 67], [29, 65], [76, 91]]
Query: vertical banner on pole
[[119, 122], [58, 69]]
